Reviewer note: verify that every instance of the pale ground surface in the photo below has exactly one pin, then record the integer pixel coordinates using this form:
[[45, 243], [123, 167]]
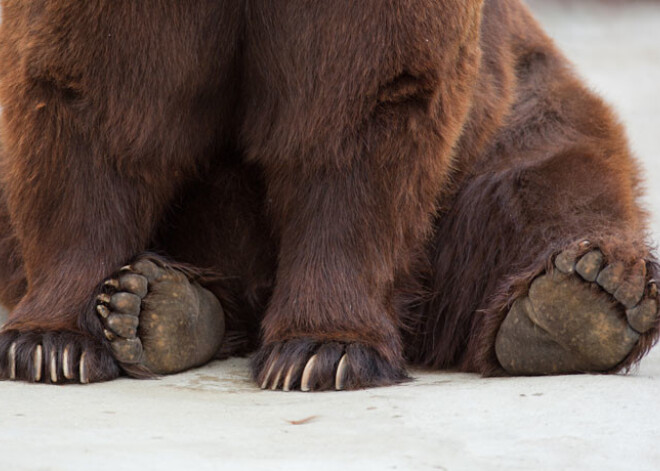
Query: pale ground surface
[[215, 418]]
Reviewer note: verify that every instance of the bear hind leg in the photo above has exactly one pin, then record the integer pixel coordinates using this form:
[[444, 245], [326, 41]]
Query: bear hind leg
[[586, 302], [514, 280]]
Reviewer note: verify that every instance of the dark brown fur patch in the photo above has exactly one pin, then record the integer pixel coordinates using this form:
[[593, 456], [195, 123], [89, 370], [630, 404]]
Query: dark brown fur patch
[[382, 174]]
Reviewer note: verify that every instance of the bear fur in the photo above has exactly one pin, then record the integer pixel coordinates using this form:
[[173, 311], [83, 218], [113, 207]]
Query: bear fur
[[383, 174]]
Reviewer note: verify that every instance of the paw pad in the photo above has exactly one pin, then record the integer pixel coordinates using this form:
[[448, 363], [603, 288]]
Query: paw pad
[[587, 315], [157, 320]]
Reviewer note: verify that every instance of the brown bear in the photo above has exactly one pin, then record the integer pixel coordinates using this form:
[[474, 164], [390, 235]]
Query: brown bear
[[346, 187]]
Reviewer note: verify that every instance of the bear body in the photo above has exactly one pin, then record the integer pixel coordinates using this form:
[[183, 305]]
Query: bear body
[[367, 183]]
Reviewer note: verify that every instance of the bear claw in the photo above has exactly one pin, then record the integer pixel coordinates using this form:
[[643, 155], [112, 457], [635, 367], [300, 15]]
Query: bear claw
[[289, 378], [340, 377], [37, 363], [83, 372], [44, 362], [11, 358], [67, 366], [307, 372], [52, 364], [305, 365]]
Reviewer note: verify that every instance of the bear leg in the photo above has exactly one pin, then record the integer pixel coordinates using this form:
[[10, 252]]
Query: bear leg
[[355, 139], [515, 285], [107, 111]]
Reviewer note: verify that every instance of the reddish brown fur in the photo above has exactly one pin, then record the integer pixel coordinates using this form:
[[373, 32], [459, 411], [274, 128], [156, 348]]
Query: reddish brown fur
[[383, 173]]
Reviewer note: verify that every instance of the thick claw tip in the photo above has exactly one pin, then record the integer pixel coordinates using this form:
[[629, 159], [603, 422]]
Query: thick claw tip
[[264, 384], [112, 283], [288, 378], [67, 368], [12, 361], [53, 366], [84, 373], [38, 362], [103, 311], [109, 335], [276, 381], [307, 373], [340, 377]]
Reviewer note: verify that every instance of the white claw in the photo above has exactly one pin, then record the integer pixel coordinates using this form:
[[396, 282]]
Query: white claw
[[103, 311], [66, 363], [84, 373], [126, 268], [112, 283], [307, 372], [276, 381], [264, 384], [12, 361], [38, 362], [341, 373], [109, 335], [53, 366], [288, 378], [104, 298]]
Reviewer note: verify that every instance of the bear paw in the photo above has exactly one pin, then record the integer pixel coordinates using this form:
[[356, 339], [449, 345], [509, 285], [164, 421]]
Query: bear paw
[[54, 357], [307, 365], [159, 321], [584, 316]]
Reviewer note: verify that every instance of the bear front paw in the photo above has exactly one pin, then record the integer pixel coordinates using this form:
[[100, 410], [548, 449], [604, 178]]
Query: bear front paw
[[309, 365], [54, 357]]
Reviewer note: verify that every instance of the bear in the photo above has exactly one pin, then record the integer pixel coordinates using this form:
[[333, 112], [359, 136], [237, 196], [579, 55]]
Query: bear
[[340, 188]]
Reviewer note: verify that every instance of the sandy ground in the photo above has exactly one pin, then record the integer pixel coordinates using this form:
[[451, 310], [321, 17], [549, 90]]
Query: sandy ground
[[215, 418]]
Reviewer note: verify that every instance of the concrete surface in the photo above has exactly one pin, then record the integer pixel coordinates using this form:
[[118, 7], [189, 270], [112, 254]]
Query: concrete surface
[[215, 418]]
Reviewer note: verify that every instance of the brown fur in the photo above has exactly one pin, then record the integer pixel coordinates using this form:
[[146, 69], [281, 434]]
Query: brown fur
[[387, 174]]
